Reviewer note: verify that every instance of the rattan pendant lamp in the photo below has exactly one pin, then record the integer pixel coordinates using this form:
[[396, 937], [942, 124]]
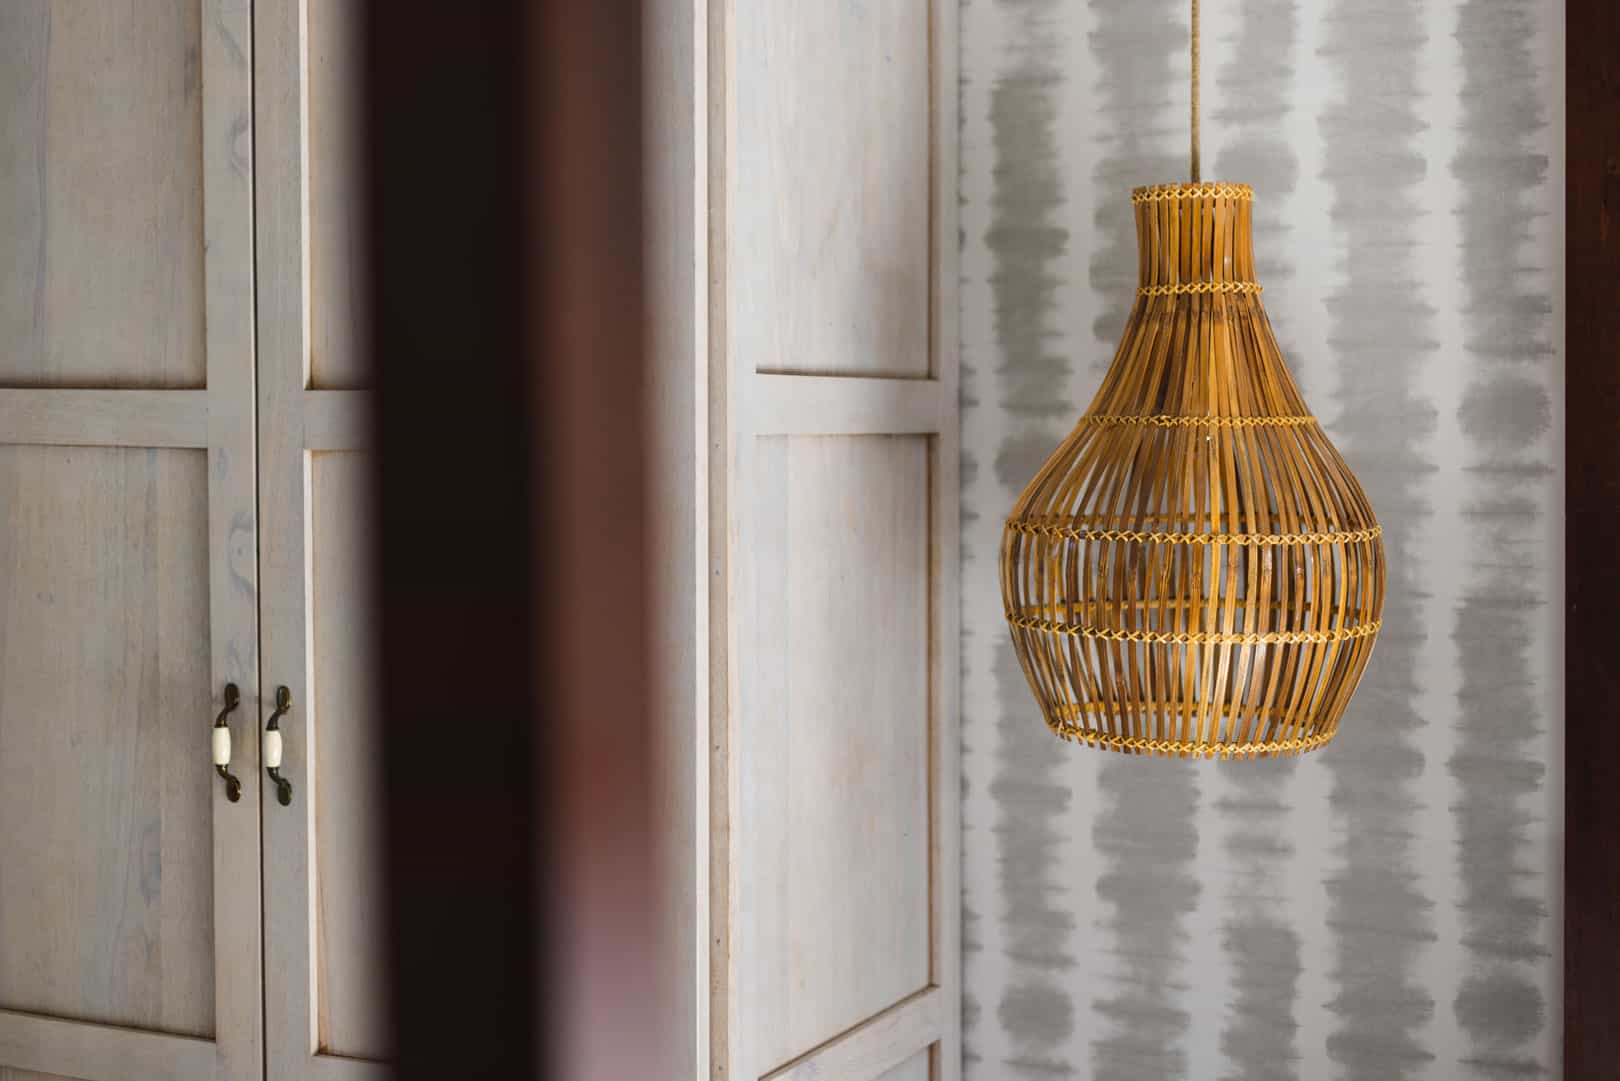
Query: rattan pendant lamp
[[1194, 572]]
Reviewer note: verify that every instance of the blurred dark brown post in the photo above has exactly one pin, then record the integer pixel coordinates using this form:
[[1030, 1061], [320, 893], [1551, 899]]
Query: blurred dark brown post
[[587, 246], [505, 188], [1592, 545]]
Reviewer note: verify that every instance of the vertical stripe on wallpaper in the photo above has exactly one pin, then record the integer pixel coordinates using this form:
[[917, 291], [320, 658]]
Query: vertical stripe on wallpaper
[[980, 608], [1259, 1032], [1025, 241], [1146, 827], [1138, 53], [1505, 414], [1380, 332]]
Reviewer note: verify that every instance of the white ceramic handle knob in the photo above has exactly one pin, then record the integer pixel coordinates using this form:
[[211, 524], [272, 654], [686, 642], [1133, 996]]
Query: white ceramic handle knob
[[222, 746], [272, 749]]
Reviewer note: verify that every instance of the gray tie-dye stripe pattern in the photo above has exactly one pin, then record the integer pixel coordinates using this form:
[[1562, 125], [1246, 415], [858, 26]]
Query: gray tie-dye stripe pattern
[[1025, 239], [1506, 415], [1259, 1033], [1381, 331], [1138, 49]]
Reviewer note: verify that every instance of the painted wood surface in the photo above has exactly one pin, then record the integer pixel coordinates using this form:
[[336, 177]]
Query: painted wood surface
[[36, 1046], [832, 497], [676, 182], [105, 418], [884, 1045], [323, 1011], [345, 731], [132, 536], [337, 212], [106, 855], [832, 140], [918, 1067], [101, 194], [834, 752]]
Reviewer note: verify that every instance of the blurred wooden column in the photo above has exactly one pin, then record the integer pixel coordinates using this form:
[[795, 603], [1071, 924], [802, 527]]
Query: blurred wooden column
[[506, 258], [1592, 536], [603, 897]]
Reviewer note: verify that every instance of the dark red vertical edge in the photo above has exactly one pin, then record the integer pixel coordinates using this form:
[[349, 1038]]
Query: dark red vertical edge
[[1592, 545], [587, 249]]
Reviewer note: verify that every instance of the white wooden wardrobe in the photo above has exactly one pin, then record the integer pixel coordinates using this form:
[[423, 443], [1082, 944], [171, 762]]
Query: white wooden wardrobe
[[802, 165], [182, 509]]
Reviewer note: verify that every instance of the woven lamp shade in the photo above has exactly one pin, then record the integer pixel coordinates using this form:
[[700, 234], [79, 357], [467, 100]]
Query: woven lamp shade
[[1194, 572]]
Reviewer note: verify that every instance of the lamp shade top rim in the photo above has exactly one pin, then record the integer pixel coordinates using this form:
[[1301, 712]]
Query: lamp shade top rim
[[1205, 189]]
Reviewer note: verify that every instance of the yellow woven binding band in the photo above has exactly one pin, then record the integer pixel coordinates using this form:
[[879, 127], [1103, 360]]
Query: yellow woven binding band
[[1160, 193], [1164, 421], [1182, 288], [1194, 638], [1187, 748], [1073, 532]]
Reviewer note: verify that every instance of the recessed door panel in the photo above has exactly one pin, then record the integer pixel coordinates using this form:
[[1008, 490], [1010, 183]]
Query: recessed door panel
[[101, 193], [835, 859], [832, 105], [106, 841], [337, 212], [345, 732]]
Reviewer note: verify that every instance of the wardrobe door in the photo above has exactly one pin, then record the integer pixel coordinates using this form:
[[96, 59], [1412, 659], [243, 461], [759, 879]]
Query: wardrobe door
[[325, 1011], [129, 880], [834, 916]]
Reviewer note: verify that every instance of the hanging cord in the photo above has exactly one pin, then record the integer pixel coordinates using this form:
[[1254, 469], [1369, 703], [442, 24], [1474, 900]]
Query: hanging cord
[[1195, 82]]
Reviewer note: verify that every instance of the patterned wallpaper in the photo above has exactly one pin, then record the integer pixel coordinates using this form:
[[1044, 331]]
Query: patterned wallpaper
[[1387, 908]]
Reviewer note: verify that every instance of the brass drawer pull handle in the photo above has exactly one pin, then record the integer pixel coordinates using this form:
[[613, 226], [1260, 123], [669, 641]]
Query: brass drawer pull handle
[[272, 747], [222, 744]]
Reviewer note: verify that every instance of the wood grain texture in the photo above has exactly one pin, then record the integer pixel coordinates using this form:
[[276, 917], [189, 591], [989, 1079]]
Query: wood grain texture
[[106, 418], [887, 1045], [336, 419], [677, 373], [101, 194], [344, 730], [279, 72], [820, 351], [845, 405], [233, 523], [30, 1075], [106, 874], [323, 975], [918, 1067], [144, 108], [337, 212], [86, 1052], [1592, 495], [832, 104], [831, 879]]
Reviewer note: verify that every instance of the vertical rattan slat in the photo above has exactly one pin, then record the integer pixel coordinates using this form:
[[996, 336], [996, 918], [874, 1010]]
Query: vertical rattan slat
[[1194, 572]]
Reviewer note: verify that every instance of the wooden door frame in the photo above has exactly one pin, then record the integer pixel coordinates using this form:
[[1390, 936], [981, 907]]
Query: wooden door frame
[[297, 423], [1592, 543]]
